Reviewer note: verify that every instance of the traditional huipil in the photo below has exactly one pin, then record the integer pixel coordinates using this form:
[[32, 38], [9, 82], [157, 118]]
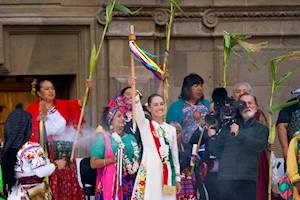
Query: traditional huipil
[[106, 146], [31, 167], [159, 168], [63, 117]]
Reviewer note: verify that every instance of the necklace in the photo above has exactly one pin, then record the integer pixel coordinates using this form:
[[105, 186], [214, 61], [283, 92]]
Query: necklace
[[131, 166]]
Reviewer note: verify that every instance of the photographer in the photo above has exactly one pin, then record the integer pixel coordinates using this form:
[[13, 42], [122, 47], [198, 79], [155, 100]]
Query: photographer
[[238, 146]]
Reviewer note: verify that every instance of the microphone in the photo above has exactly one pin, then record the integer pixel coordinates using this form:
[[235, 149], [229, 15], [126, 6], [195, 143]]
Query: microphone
[[295, 91]]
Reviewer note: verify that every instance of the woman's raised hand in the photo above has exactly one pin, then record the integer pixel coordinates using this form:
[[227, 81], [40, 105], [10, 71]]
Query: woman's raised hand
[[132, 80], [89, 83], [165, 75]]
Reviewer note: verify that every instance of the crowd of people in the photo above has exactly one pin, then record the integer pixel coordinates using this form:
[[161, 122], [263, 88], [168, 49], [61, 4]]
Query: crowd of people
[[202, 151]]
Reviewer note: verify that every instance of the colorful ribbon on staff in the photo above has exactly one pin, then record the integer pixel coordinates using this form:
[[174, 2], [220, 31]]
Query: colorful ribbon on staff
[[143, 57]]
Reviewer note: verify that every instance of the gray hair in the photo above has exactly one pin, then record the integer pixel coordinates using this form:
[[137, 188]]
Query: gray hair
[[176, 124], [243, 83]]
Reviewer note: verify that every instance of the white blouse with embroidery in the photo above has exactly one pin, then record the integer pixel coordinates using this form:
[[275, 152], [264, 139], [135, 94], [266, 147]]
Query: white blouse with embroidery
[[55, 124]]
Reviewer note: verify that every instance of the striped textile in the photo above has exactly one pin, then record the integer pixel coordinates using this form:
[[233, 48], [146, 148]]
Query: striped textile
[[188, 189]]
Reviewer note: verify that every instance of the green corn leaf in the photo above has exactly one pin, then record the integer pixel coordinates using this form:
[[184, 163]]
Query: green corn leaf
[[232, 35], [238, 37], [273, 70], [232, 44], [93, 61], [227, 40], [284, 77], [247, 54], [280, 59], [227, 52], [281, 106], [125, 9], [108, 12], [175, 4]]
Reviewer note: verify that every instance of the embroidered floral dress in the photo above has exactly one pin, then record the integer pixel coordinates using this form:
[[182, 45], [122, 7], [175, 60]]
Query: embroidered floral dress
[[31, 165], [131, 151], [149, 181]]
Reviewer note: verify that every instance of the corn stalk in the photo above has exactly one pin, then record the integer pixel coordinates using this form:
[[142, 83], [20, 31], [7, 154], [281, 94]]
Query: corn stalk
[[94, 57], [230, 40], [274, 63], [173, 6]]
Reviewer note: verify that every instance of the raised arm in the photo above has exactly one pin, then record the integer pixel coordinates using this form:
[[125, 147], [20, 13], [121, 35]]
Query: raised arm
[[162, 84], [140, 115]]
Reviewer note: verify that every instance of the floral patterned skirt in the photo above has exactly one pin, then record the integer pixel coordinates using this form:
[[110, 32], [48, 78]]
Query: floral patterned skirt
[[64, 183]]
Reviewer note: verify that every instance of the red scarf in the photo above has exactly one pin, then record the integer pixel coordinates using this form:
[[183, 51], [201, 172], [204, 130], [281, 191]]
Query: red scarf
[[69, 110]]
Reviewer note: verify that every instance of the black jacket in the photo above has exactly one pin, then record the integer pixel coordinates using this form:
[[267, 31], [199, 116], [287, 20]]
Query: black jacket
[[239, 155]]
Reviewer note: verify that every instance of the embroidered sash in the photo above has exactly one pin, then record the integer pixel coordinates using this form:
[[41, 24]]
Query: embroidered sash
[[169, 173]]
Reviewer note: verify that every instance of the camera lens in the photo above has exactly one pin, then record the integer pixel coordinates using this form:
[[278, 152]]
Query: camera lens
[[210, 118]]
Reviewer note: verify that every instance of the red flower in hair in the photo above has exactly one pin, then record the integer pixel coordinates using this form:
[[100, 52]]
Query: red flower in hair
[[112, 104], [123, 109]]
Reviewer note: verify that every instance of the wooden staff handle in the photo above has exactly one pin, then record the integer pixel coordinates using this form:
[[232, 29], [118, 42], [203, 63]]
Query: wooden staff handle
[[132, 37], [198, 146], [41, 129]]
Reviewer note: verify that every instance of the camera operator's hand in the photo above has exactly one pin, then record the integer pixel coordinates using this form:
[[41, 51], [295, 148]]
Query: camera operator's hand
[[211, 131], [234, 128]]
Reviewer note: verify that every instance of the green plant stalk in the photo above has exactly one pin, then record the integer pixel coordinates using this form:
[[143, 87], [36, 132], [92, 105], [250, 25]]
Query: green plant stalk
[[165, 66], [224, 77], [271, 136], [270, 168], [105, 29], [90, 77]]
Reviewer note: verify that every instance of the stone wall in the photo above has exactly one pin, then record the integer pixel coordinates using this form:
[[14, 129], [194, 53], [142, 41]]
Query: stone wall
[[53, 37]]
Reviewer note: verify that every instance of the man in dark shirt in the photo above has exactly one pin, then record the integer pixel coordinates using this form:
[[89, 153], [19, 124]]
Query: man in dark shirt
[[288, 123], [238, 147]]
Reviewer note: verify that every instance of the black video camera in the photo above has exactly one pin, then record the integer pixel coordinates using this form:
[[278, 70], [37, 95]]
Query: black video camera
[[225, 108]]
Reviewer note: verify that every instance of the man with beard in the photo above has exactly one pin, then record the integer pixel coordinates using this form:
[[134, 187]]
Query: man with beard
[[238, 147]]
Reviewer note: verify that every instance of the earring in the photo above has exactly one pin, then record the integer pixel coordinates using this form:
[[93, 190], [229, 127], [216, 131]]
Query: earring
[[111, 127]]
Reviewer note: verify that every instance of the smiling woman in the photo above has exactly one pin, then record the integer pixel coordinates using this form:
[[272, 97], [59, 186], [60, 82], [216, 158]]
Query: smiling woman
[[115, 140], [159, 168]]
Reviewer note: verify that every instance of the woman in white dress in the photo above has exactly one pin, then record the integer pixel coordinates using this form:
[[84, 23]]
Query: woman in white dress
[[158, 177]]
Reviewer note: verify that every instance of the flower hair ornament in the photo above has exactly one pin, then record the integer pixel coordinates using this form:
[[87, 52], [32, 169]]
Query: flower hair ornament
[[118, 103], [33, 88]]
